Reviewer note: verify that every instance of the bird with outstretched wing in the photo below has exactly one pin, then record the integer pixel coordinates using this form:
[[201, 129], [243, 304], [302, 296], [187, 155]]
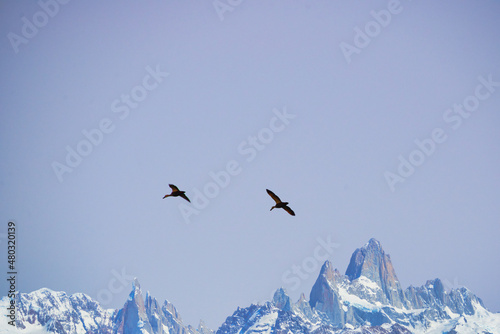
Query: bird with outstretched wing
[[279, 203], [176, 192]]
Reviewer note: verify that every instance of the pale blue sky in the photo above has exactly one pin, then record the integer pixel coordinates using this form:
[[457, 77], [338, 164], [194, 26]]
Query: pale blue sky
[[225, 77]]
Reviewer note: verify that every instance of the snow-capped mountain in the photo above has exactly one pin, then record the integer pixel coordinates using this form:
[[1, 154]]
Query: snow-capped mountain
[[140, 315], [56, 312], [367, 299], [49, 311]]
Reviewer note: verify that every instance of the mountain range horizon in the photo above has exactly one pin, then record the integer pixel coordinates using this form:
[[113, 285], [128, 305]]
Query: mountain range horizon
[[367, 299]]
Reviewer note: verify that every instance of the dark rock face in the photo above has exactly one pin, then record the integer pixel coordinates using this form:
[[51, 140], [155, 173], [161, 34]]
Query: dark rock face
[[132, 318], [371, 262], [281, 300], [325, 295]]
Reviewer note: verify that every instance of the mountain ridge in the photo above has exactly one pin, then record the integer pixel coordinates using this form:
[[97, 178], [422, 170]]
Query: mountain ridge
[[368, 298]]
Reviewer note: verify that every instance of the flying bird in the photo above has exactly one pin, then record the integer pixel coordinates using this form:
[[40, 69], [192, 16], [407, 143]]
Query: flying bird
[[279, 203], [176, 192]]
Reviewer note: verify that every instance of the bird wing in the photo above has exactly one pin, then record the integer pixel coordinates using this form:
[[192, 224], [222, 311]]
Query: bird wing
[[174, 188], [273, 195], [185, 197], [290, 211]]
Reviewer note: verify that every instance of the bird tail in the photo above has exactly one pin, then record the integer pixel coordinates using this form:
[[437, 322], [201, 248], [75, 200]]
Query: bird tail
[[272, 208], [165, 196]]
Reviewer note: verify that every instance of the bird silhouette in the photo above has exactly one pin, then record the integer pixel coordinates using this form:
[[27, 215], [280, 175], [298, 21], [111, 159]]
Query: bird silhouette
[[279, 203], [176, 192]]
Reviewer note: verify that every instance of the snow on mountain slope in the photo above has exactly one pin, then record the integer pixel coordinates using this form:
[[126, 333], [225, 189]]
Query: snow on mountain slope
[[57, 312]]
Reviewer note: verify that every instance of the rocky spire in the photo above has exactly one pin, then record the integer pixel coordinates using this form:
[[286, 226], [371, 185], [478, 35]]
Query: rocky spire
[[371, 262], [281, 300], [324, 295], [133, 318]]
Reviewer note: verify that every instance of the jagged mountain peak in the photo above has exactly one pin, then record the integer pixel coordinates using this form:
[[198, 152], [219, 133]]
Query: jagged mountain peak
[[170, 308], [136, 291], [139, 316], [203, 329], [281, 300], [373, 243], [133, 317], [368, 261], [373, 263], [329, 273], [135, 284], [326, 268]]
